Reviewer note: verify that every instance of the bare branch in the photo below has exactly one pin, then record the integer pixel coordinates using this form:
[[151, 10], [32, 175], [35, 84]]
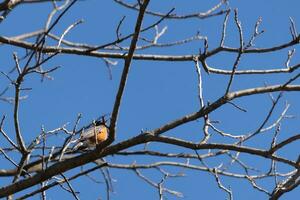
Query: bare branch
[[200, 15], [67, 30], [70, 186], [239, 26], [6, 136], [224, 29], [125, 72], [157, 185]]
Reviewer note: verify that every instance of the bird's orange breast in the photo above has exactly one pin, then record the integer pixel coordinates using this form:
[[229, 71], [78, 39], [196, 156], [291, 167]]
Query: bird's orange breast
[[100, 136]]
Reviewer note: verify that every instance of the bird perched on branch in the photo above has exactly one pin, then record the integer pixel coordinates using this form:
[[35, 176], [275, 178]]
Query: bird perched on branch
[[95, 134], [90, 136]]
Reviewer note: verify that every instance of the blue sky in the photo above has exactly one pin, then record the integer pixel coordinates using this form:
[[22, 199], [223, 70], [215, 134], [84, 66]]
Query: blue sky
[[156, 92]]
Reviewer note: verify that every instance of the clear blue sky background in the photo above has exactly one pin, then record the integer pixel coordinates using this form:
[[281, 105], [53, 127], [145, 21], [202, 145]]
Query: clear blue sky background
[[157, 92]]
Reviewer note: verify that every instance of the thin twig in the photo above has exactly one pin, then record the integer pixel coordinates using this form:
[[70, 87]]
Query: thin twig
[[70, 186], [239, 26], [6, 136], [200, 15]]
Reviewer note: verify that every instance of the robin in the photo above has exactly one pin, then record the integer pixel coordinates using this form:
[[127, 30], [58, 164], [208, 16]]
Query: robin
[[92, 135]]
